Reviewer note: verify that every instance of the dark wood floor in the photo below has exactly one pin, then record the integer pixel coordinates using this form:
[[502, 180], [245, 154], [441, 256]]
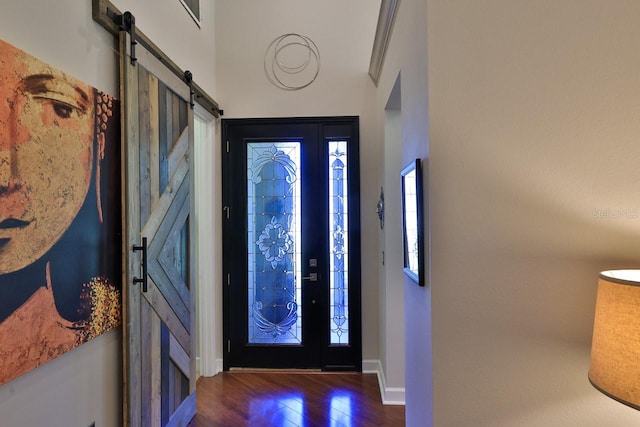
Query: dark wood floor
[[240, 398]]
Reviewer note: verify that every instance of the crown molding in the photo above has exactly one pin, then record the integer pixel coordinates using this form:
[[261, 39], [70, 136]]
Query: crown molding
[[383, 35]]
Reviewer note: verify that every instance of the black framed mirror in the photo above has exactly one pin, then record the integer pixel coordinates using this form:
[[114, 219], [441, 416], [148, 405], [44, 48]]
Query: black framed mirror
[[413, 222]]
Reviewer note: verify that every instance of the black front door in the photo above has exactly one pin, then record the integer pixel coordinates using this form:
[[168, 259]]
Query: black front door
[[291, 243]]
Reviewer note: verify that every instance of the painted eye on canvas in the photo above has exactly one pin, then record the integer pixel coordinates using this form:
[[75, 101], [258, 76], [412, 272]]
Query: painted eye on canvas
[[62, 110]]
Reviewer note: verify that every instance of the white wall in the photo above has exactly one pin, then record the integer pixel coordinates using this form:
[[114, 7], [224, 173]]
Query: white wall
[[406, 56], [84, 385], [534, 131], [343, 33], [392, 342]]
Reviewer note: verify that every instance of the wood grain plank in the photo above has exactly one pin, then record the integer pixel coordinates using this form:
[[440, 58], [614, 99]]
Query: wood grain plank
[[166, 377], [172, 202], [178, 309], [144, 130], [185, 413], [131, 221], [177, 384], [193, 273], [179, 356], [184, 115], [180, 149], [184, 387], [175, 120], [156, 371], [164, 108], [164, 203], [170, 395], [166, 256], [159, 268], [168, 141], [146, 359], [163, 73], [154, 142], [166, 314]]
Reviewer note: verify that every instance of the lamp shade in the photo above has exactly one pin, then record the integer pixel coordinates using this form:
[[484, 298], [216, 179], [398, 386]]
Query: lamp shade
[[615, 348]]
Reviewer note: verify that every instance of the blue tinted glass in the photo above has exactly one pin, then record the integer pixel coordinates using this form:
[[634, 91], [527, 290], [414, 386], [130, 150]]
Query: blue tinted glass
[[339, 243], [273, 239]]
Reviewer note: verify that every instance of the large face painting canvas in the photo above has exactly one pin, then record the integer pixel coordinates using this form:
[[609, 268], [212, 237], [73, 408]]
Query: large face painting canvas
[[60, 222]]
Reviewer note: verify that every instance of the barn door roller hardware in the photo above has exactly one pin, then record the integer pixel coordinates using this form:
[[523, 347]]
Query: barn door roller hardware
[[109, 16], [188, 78], [126, 22]]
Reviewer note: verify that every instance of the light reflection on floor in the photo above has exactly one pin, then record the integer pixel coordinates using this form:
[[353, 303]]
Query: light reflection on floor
[[340, 409], [280, 411], [288, 410]]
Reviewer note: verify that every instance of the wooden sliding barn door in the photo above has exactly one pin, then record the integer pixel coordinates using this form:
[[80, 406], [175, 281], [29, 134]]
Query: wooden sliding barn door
[[159, 330]]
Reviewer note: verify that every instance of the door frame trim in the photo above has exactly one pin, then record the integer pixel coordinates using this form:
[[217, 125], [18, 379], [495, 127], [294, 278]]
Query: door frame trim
[[209, 249]]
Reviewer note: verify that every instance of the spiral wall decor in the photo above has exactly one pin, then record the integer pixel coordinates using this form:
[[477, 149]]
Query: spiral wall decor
[[292, 61]]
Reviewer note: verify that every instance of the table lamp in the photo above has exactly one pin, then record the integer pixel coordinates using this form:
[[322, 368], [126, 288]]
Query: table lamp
[[615, 348]]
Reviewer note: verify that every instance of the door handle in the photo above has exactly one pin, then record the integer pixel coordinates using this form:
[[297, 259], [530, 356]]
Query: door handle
[[312, 277], [143, 280]]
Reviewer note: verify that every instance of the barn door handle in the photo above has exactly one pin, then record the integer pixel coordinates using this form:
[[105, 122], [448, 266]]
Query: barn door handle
[[143, 280]]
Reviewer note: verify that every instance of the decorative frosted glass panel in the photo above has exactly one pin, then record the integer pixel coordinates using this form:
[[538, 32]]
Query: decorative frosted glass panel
[[411, 220], [273, 241], [339, 244]]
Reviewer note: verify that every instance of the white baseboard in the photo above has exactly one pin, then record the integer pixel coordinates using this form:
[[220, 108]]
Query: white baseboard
[[390, 395], [217, 368]]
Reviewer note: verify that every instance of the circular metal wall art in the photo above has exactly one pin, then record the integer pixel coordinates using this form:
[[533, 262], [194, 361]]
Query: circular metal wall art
[[292, 61]]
